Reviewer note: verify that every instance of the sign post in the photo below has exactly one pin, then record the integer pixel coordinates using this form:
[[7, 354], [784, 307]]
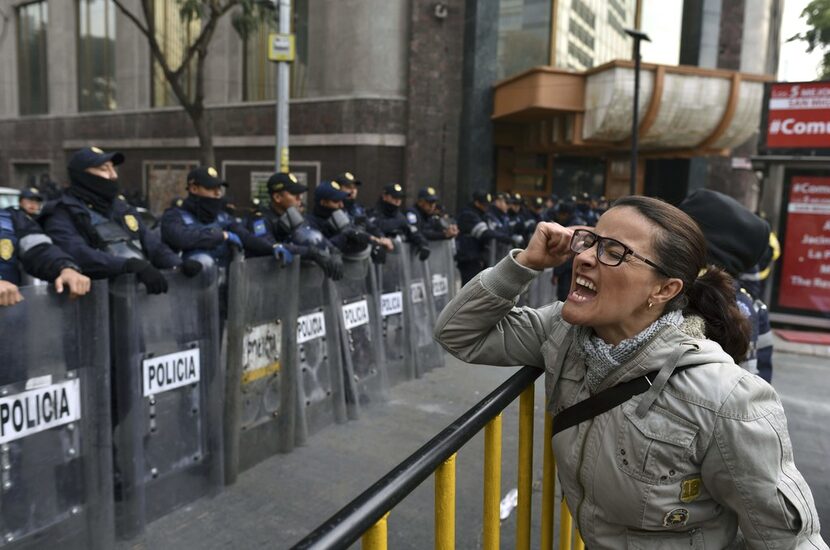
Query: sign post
[[281, 49]]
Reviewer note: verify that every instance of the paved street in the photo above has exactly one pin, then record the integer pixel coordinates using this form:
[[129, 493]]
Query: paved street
[[274, 504]]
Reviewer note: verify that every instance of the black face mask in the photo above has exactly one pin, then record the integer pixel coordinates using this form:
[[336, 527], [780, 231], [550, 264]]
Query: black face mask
[[95, 190], [387, 208], [206, 209], [322, 212]]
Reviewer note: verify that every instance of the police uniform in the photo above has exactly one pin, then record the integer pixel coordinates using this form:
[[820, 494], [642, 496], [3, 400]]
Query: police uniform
[[23, 243], [290, 229], [356, 211], [429, 225], [336, 225], [32, 194], [393, 223], [101, 232], [197, 225], [476, 230]]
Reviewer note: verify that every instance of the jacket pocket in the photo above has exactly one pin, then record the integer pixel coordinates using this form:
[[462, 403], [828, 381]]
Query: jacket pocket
[[648, 540], [657, 448]]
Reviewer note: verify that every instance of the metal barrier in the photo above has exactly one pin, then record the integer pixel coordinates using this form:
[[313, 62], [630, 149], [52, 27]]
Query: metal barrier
[[366, 515], [497, 250], [320, 391], [425, 353], [261, 384], [441, 274], [357, 299], [168, 382], [541, 291], [55, 439], [395, 322]]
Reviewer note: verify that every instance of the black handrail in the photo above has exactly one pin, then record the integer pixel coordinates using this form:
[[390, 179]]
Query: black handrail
[[354, 519]]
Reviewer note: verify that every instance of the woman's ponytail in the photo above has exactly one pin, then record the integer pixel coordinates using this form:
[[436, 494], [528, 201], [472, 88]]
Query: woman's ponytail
[[712, 296]]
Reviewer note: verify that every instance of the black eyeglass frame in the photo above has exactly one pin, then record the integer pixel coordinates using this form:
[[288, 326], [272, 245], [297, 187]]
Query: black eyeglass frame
[[601, 250]]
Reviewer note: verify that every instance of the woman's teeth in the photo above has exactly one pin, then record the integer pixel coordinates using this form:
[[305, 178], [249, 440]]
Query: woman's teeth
[[581, 281]]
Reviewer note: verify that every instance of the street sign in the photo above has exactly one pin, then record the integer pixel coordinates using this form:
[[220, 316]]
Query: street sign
[[281, 47]]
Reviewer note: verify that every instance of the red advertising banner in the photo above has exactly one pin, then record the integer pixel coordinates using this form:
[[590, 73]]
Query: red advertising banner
[[799, 116], [805, 269]]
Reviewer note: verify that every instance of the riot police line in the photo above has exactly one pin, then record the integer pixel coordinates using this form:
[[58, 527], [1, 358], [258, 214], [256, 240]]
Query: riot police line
[[121, 406]]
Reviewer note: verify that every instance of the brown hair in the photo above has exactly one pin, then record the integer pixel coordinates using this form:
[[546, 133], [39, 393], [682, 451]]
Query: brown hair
[[680, 249]]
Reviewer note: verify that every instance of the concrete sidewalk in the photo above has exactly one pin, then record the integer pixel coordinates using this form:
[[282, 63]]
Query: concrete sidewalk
[[783, 346]]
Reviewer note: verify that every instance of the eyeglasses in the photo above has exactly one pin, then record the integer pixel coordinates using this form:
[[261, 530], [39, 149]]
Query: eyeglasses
[[610, 252]]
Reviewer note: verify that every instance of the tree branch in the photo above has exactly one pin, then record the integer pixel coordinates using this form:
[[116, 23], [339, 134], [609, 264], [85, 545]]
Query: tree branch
[[216, 12]]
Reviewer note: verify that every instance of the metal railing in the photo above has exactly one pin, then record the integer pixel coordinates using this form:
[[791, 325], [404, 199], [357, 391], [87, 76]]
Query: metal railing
[[366, 516]]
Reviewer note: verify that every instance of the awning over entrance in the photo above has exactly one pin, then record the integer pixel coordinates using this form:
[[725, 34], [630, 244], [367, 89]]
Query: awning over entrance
[[684, 111]]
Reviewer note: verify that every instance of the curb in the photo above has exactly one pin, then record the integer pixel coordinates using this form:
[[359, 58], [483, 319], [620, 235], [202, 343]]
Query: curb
[[782, 346]]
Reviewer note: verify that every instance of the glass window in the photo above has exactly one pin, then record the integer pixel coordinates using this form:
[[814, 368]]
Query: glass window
[[260, 74], [33, 90], [174, 36], [96, 55], [524, 35]]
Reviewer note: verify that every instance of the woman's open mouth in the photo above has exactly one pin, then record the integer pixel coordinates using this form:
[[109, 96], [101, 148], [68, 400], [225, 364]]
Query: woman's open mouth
[[583, 290]]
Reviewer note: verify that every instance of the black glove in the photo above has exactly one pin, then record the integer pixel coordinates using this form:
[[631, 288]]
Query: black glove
[[378, 254], [334, 270], [358, 239], [191, 268], [152, 278], [423, 253]]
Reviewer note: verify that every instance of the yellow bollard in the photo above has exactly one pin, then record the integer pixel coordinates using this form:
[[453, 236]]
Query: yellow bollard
[[525, 468], [445, 505], [548, 486], [375, 538], [565, 526], [492, 483], [579, 544]]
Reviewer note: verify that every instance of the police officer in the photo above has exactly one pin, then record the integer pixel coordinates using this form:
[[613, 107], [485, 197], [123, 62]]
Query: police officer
[[31, 201], [424, 217], [282, 223], [331, 220], [583, 207], [23, 244], [475, 233], [566, 216], [387, 216], [103, 234], [200, 225]]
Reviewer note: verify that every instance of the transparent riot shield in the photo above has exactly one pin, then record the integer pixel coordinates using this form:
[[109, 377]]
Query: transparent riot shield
[[394, 320], [320, 398], [498, 251], [425, 352], [541, 291], [55, 438], [357, 299], [441, 275], [168, 380], [261, 390]]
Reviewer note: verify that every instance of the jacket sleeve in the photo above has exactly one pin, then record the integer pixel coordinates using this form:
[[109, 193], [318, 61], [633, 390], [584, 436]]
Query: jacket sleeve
[[180, 236], [40, 257], [481, 324], [159, 254], [94, 263], [749, 468]]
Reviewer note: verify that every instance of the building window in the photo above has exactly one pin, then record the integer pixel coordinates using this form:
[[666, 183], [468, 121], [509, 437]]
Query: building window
[[173, 36], [616, 25], [585, 13], [581, 34], [524, 35], [579, 54], [33, 89], [260, 74], [96, 55]]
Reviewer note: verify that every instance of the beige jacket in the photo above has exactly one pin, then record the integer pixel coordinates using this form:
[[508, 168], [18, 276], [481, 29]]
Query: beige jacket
[[708, 465]]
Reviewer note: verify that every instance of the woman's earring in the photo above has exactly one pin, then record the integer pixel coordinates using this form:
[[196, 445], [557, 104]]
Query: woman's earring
[[650, 304]]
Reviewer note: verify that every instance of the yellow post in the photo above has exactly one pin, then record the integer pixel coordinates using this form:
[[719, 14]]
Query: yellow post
[[548, 486], [525, 468], [565, 526], [445, 505], [579, 544], [492, 483], [375, 537]]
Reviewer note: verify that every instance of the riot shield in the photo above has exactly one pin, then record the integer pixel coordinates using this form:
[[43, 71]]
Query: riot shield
[[320, 397], [394, 323], [261, 390], [441, 274], [365, 376], [168, 384], [425, 352], [541, 291], [497, 250], [55, 442]]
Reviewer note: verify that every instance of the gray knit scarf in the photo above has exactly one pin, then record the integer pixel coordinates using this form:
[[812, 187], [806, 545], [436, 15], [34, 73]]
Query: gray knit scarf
[[601, 358]]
